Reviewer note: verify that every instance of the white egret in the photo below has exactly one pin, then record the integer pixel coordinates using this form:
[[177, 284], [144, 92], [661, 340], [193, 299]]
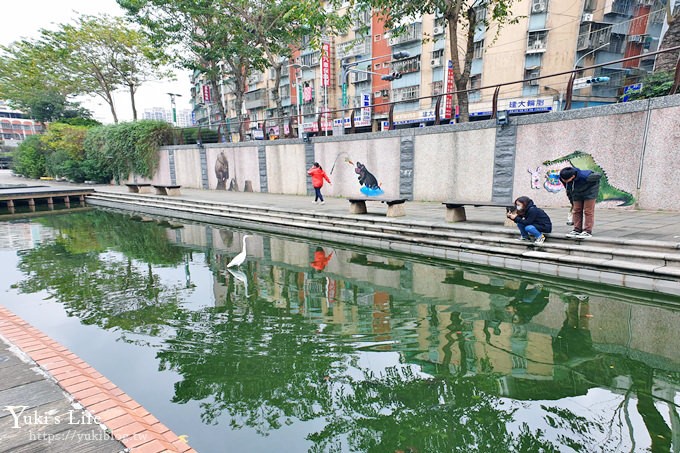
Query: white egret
[[240, 276], [241, 257]]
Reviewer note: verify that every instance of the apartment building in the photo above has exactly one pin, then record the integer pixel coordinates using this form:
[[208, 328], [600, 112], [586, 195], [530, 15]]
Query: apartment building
[[550, 37], [15, 126]]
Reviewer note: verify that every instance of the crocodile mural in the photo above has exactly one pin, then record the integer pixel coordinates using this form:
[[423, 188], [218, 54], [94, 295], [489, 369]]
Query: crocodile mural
[[585, 161]]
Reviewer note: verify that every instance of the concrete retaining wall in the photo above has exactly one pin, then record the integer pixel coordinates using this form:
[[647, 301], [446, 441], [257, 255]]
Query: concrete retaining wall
[[635, 144]]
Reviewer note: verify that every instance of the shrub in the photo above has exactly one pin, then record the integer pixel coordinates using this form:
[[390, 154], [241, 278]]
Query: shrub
[[29, 158]]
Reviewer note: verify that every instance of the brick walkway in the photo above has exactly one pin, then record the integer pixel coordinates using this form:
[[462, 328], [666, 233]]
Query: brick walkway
[[37, 384]]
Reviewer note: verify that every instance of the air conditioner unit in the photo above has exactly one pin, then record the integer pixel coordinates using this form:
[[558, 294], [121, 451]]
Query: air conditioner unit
[[635, 38], [533, 82], [587, 17], [438, 30], [538, 44], [436, 62], [538, 6], [377, 94]]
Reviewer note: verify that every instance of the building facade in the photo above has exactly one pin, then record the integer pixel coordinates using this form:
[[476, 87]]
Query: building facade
[[549, 37]]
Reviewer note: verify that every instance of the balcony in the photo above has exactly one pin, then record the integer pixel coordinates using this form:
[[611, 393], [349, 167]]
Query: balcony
[[353, 48], [255, 99], [406, 34]]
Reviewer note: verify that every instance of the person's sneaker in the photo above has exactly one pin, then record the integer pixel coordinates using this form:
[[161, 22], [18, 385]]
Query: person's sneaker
[[314, 201], [523, 238], [540, 240], [585, 234], [323, 202], [574, 234]]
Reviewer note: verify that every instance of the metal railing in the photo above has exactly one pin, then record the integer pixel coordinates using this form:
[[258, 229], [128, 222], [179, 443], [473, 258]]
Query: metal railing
[[225, 129]]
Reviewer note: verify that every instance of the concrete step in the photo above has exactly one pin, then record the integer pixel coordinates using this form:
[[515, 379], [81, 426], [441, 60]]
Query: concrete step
[[440, 240]]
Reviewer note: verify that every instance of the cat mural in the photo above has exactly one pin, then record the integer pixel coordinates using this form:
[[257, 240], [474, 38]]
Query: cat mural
[[585, 161]]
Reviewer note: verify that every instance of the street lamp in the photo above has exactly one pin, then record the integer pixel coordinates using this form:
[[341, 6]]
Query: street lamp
[[588, 53], [299, 95], [347, 67], [174, 108]]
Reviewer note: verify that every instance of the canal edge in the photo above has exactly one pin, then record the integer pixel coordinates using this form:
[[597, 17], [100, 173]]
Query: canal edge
[[127, 420]]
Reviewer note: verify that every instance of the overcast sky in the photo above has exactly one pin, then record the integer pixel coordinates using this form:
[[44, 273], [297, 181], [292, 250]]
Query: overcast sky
[[23, 19]]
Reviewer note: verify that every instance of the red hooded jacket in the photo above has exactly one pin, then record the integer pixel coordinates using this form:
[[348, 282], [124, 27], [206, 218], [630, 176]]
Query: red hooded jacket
[[318, 175]]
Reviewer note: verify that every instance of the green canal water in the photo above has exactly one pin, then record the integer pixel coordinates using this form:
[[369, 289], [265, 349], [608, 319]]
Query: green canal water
[[317, 347]]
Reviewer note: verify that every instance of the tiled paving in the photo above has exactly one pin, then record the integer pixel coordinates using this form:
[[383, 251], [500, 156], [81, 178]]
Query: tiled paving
[[52, 401]]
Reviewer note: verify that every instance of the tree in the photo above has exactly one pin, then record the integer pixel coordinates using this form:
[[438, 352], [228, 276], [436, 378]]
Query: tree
[[227, 39], [106, 54], [668, 61], [128, 52], [33, 81], [281, 26], [96, 55], [460, 15], [200, 36]]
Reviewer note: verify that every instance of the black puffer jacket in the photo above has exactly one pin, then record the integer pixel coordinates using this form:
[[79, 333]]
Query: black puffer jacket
[[585, 186], [533, 215]]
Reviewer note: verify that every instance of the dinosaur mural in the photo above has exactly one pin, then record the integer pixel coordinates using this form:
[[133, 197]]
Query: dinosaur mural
[[585, 161]]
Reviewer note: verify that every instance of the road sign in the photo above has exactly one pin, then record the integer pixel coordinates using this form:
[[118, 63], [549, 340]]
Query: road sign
[[344, 94]]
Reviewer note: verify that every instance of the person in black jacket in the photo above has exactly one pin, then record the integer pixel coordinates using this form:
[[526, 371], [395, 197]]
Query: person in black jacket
[[531, 220], [582, 187]]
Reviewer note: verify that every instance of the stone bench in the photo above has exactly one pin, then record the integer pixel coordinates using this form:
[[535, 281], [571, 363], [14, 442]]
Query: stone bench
[[139, 187], [395, 206], [455, 210], [167, 189]]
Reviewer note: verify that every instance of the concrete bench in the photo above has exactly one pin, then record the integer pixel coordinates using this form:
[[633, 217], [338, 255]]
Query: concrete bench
[[395, 206], [455, 210], [139, 187], [167, 190]]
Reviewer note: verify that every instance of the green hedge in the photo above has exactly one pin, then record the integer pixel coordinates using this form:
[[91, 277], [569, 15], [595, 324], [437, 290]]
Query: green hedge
[[102, 153]]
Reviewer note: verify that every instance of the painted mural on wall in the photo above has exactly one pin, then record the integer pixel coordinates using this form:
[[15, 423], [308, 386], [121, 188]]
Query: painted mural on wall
[[584, 161], [368, 182], [222, 174]]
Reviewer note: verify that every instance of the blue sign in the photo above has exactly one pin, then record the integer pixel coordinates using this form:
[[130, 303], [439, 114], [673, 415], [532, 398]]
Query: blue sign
[[630, 89]]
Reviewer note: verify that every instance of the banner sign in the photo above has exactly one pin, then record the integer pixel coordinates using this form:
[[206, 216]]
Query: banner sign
[[449, 89], [326, 64], [206, 93]]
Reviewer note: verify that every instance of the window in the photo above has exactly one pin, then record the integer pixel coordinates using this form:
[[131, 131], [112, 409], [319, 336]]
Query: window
[[478, 50], [405, 66], [437, 88], [377, 66], [284, 91], [537, 41], [530, 77], [310, 59], [475, 84], [377, 38], [406, 93], [437, 54]]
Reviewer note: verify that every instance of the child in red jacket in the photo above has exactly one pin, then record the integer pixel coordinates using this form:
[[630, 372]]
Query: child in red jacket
[[318, 175]]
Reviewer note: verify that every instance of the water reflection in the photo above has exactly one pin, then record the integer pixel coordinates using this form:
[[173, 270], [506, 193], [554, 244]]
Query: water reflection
[[381, 353]]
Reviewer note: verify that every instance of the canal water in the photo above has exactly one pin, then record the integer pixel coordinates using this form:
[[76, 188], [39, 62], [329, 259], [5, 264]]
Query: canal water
[[319, 347]]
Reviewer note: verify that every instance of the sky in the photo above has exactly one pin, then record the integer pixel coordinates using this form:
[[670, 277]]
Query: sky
[[24, 19]]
